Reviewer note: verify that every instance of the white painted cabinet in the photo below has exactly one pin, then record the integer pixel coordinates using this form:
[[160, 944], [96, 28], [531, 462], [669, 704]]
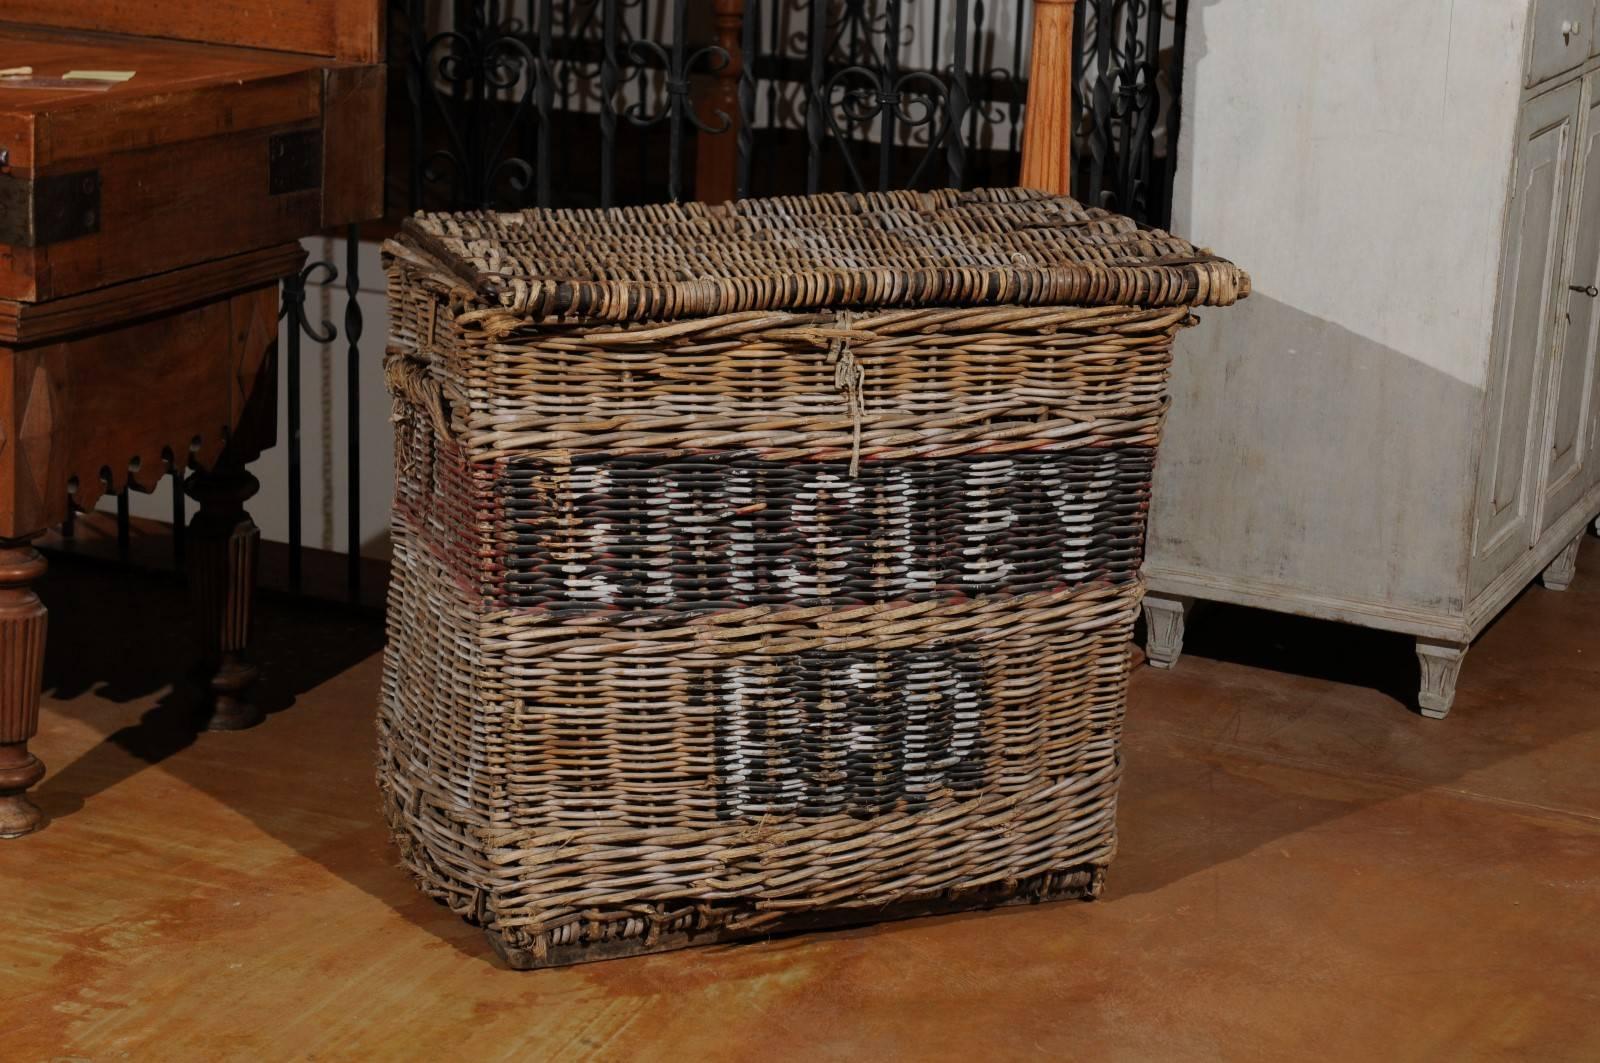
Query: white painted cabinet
[[1505, 525], [1402, 427], [1561, 38], [1573, 446]]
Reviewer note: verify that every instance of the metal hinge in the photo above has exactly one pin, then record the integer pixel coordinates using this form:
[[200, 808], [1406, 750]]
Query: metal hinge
[[35, 211], [294, 162]]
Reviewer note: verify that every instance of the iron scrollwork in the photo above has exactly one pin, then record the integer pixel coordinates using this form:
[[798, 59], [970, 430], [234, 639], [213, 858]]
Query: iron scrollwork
[[299, 326], [870, 105], [677, 63], [1130, 58], [848, 84], [470, 88]]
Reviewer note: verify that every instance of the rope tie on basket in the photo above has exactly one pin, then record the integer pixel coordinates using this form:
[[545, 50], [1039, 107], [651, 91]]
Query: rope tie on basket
[[414, 395], [849, 377], [402, 414]]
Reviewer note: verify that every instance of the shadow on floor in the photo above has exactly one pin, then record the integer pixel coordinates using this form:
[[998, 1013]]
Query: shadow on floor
[[1383, 661], [1304, 690], [126, 636], [1226, 749], [1326, 650]]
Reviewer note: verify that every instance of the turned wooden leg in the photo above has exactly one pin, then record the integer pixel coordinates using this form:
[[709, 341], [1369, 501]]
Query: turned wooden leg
[[22, 628], [1163, 629], [1561, 572], [1441, 665], [222, 547]]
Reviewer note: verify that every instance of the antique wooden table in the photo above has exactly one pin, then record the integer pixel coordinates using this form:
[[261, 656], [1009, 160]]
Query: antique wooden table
[[144, 228]]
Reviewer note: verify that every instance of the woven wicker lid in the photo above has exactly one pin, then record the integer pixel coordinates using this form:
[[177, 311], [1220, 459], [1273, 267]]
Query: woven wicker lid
[[669, 261]]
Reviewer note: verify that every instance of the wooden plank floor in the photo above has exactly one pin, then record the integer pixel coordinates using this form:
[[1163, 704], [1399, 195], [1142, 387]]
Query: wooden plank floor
[[1307, 870]]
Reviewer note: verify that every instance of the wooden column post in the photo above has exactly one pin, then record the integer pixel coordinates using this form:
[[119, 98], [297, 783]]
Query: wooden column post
[[222, 547], [716, 167], [22, 629], [1047, 122]]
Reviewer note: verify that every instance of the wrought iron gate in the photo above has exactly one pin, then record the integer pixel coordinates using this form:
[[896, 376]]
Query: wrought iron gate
[[511, 103], [665, 99], [1128, 83]]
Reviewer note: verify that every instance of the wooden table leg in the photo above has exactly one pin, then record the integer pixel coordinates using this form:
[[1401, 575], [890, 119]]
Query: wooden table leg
[[22, 631], [222, 548]]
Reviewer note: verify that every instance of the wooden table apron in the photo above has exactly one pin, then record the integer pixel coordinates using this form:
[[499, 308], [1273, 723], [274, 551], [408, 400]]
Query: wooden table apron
[[94, 401]]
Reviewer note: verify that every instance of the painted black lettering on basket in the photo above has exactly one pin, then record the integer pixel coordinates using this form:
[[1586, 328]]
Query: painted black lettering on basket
[[821, 733], [719, 531]]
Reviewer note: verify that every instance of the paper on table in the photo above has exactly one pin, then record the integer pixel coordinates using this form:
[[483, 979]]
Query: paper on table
[[16, 71], [98, 75]]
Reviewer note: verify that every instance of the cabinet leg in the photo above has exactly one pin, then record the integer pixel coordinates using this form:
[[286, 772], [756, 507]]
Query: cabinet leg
[[1441, 666], [1163, 625], [22, 631], [223, 543], [1561, 572]]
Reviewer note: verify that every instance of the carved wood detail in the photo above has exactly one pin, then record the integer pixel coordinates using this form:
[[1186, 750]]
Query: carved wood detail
[[1164, 620], [22, 635], [1560, 573], [123, 408], [223, 546], [1441, 666]]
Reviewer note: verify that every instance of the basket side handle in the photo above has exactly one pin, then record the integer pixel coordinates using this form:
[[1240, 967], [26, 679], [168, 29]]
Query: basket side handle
[[415, 391]]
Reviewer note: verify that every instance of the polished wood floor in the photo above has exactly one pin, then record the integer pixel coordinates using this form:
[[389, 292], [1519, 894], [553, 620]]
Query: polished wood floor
[[1308, 870]]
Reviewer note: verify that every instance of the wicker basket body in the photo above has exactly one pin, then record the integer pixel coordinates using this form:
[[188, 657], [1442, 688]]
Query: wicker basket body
[[728, 599]]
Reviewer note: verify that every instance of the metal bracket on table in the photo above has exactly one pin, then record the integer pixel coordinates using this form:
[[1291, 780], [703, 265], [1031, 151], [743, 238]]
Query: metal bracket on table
[[36, 211], [294, 162]]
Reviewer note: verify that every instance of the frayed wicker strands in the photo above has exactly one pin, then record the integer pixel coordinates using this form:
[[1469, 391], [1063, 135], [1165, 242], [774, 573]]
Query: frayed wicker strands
[[769, 565]]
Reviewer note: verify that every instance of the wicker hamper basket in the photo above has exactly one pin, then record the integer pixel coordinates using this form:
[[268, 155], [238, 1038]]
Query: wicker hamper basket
[[770, 565]]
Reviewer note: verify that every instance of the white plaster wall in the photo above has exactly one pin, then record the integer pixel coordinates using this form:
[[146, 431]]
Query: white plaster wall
[[1354, 157]]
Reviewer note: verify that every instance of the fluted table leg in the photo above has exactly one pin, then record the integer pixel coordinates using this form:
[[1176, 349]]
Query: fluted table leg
[[223, 543], [22, 633]]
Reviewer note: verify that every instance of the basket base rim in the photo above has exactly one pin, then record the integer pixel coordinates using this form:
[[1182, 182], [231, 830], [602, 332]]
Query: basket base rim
[[520, 959]]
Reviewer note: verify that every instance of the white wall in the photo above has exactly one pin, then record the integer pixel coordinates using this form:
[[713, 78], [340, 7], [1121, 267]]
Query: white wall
[[1355, 158], [1335, 150]]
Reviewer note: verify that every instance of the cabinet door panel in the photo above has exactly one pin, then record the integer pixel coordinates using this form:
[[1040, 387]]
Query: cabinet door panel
[[1573, 457], [1514, 422]]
